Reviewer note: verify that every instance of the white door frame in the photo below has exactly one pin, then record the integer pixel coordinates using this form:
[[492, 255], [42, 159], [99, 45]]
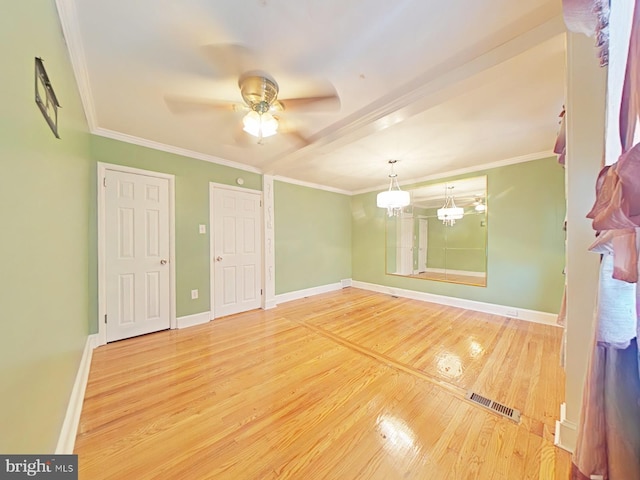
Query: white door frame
[[102, 270], [423, 221], [212, 186]]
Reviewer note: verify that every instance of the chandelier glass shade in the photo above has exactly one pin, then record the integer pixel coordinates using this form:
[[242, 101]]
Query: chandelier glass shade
[[260, 125], [393, 199], [449, 213]]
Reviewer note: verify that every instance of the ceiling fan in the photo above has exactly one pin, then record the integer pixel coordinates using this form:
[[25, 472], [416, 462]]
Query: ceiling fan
[[259, 92]]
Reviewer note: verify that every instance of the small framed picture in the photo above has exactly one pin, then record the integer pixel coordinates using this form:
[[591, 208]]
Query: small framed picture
[[46, 97]]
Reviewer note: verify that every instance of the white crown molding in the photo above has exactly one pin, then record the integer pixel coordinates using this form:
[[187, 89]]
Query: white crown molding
[[461, 171], [143, 142], [317, 186], [71, 30]]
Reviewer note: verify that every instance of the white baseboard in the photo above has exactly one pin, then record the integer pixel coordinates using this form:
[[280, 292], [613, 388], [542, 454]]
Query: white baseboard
[[269, 304], [195, 319], [504, 310], [308, 292], [566, 435], [466, 273], [345, 282], [69, 430]]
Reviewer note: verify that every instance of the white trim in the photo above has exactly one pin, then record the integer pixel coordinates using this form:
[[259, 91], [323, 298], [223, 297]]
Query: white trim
[[102, 296], [232, 187], [143, 142], [503, 310], [212, 186], [345, 282], [308, 292], [317, 186], [68, 16], [461, 171], [466, 273], [194, 319], [268, 244], [69, 430], [566, 435]]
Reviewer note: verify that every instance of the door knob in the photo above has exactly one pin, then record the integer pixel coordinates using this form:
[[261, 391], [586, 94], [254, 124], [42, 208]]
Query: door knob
[[163, 262], [218, 259]]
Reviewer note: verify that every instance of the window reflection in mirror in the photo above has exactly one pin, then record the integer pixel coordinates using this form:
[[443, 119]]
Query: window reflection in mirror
[[430, 242]]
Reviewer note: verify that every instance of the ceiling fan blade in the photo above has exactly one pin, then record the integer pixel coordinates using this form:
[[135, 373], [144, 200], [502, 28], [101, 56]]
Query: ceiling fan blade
[[181, 104], [293, 134], [229, 59], [297, 137], [323, 103]]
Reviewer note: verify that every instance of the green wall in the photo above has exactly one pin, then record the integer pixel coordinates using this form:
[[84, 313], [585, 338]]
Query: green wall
[[526, 210], [192, 179], [44, 209], [312, 237]]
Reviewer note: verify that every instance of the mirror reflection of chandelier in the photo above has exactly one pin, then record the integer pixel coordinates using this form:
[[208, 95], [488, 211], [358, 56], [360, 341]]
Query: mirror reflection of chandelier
[[480, 206], [449, 213], [393, 199]]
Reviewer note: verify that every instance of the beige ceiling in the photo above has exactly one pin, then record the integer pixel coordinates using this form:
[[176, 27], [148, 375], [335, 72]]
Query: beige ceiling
[[439, 86]]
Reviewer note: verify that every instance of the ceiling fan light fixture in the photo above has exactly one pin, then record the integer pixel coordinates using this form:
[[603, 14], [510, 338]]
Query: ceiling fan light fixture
[[260, 125], [393, 199]]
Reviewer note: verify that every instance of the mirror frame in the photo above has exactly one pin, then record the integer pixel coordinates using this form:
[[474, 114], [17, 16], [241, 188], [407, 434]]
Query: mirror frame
[[468, 199]]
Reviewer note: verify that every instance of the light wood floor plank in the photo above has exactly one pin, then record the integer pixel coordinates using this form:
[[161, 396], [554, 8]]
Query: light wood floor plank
[[346, 385]]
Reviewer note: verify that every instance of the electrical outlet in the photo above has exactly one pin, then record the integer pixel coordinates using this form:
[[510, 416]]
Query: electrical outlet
[[202, 228], [194, 294]]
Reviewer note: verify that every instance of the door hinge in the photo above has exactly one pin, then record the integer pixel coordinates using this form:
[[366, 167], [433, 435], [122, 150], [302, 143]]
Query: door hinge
[[260, 291], [105, 318], [104, 181]]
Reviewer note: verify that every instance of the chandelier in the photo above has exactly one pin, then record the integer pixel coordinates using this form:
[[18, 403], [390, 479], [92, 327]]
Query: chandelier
[[393, 199], [449, 213]]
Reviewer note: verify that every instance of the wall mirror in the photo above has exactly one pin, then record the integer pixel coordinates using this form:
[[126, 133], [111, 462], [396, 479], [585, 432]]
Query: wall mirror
[[442, 234]]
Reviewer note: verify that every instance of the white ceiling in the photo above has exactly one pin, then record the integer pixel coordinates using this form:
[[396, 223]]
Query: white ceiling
[[439, 86]]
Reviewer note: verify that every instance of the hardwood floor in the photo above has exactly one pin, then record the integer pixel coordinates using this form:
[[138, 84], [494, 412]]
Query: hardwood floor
[[346, 385]]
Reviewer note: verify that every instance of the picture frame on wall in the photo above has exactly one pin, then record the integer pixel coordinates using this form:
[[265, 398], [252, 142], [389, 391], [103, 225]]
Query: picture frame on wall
[[45, 97]]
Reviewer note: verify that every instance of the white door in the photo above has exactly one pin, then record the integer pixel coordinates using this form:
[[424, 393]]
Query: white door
[[404, 253], [422, 244], [237, 251], [136, 254]]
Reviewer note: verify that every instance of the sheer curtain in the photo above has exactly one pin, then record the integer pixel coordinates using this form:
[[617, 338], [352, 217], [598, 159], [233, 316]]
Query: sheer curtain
[[609, 431]]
